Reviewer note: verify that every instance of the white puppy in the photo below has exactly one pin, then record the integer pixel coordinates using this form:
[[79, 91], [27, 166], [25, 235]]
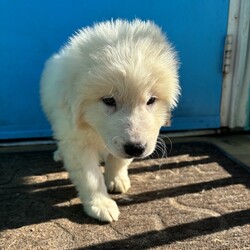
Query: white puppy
[[107, 93]]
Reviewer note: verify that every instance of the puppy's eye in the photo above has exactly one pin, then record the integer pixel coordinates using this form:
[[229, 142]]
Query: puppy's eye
[[151, 100], [109, 101]]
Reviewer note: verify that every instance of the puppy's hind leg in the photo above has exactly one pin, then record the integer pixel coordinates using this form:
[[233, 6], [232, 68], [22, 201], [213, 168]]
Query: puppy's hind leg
[[82, 164], [116, 174]]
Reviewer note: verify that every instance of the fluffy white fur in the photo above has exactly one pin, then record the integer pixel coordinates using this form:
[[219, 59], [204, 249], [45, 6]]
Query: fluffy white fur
[[130, 64]]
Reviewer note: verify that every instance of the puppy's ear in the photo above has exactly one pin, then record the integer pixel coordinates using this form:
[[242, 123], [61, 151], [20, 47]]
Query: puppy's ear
[[168, 118], [80, 122], [168, 123], [78, 116]]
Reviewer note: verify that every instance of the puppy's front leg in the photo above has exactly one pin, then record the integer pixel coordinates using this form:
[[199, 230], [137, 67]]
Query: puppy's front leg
[[82, 165], [116, 174]]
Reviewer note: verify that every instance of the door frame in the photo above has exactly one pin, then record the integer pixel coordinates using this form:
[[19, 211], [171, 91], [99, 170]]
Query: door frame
[[235, 100]]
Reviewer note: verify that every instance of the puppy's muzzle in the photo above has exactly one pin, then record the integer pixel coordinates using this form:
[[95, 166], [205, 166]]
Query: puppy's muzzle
[[134, 149]]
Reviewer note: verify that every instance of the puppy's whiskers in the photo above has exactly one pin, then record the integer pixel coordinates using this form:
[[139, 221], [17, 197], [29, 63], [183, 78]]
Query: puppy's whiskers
[[161, 152], [110, 142], [161, 147], [113, 139], [170, 142]]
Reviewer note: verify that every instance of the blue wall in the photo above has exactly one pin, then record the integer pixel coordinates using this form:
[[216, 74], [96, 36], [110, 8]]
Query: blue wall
[[30, 31]]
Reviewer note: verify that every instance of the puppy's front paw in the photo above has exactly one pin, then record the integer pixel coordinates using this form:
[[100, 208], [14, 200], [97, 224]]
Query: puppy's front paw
[[102, 208], [118, 184]]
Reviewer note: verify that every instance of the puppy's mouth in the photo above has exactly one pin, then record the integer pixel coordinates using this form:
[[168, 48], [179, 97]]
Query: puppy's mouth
[[134, 150], [130, 149]]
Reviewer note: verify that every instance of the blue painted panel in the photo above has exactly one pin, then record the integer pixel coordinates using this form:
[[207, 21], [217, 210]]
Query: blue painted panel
[[31, 31]]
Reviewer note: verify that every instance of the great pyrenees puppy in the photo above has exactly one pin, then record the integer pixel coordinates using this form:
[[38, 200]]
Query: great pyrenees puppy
[[107, 93]]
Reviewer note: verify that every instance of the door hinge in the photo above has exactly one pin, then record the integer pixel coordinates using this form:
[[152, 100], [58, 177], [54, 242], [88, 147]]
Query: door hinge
[[227, 54]]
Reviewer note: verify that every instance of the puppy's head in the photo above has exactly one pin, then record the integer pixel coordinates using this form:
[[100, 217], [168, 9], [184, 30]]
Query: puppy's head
[[128, 94]]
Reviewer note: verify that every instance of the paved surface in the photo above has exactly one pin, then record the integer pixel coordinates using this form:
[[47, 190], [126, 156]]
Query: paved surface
[[196, 198], [236, 146]]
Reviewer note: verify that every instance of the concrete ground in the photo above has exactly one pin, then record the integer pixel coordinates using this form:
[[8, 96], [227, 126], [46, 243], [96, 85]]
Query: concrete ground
[[236, 146], [197, 197]]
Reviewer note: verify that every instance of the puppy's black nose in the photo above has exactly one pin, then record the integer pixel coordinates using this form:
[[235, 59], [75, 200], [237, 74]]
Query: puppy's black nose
[[134, 149]]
